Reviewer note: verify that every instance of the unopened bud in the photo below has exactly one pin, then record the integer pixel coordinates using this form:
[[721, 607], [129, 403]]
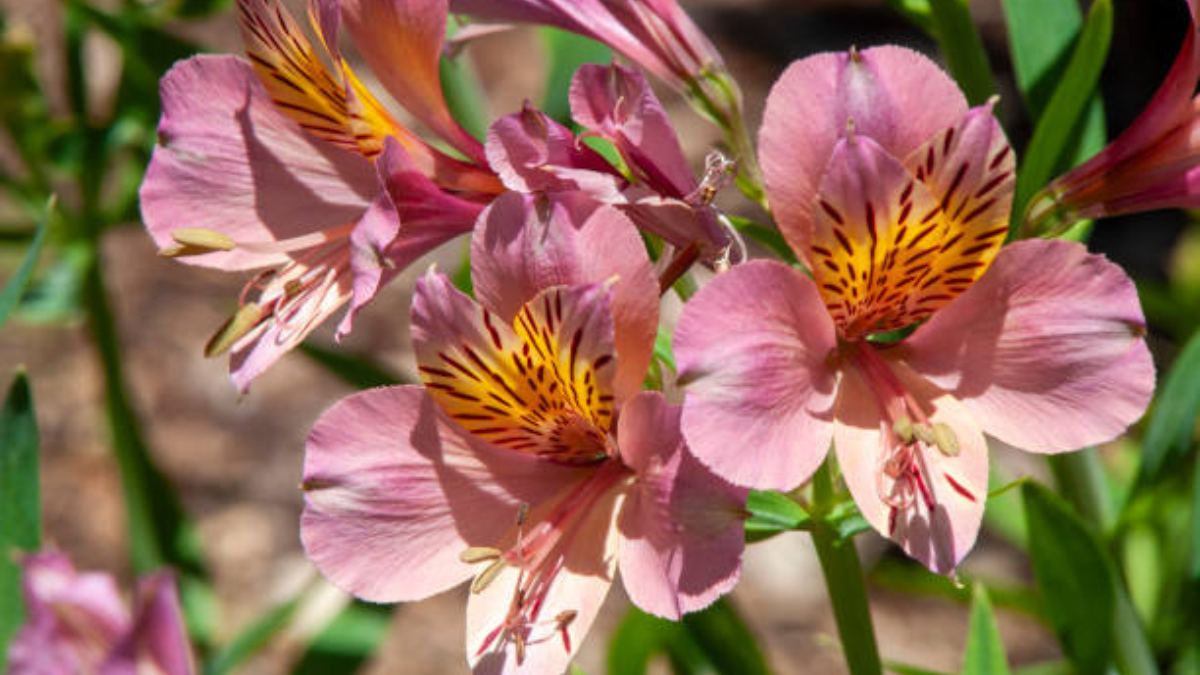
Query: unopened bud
[[477, 554], [945, 439], [234, 329]]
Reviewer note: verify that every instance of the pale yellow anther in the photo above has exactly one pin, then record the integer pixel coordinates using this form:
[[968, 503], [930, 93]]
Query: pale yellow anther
[[924, 433], [476, 554], [487, 576], [945, 439], [234, 329], [903, 429], [200, 238]]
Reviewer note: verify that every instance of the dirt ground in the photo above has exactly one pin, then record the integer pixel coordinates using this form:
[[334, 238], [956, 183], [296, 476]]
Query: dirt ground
[[236, 462]]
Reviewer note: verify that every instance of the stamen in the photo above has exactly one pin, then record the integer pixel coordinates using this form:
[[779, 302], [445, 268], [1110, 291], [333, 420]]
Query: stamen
[[234, 329], [488, 575], [477, 554]]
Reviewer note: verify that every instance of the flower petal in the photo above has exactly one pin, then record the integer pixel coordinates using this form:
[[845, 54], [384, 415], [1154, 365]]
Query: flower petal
[[542, 387], [524, 244], [752, 347], [158, 641], [1046, 349], [395, 491], [73, 619], [895, 96], [402, 42], [939, 528], [229, 161], [530, 151], [580, 586], [681, 525]]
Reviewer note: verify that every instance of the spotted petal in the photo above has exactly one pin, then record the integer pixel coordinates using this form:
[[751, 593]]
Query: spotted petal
[[541, 386]]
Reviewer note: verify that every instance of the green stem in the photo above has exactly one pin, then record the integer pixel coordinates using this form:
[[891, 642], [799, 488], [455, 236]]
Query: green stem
[[844, 581], [1081, 479]]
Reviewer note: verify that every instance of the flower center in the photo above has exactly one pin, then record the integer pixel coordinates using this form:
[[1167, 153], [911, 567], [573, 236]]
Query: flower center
[[539, 554]]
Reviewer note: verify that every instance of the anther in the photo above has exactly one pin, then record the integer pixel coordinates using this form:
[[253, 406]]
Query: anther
[[477, 554], [236, 327], [194, 241], [903, 428], [924, 434], [522, 514], [563, 620], [945, 439], [488, 575]]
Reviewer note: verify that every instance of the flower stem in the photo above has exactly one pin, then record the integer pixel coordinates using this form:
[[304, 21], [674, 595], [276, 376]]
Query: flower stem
[[844, 582], [1081, 478]]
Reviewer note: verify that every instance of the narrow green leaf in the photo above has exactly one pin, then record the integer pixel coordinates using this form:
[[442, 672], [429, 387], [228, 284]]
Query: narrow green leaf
[[1194, 566], [14, 289], [464, 97], [985, 649], [250, 641], [20, 502], [905, 669], [916, 11], [1173, 420], [772, 511], [355, 370], [565, 52], [640, 638], [959, 39], [725, 639], [1074, 575], [1072, 93], [348, 641], [769, 237]]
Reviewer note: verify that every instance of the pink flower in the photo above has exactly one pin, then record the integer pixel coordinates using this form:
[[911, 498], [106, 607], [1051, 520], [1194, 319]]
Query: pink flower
[[533, 153], [899, 206], [279, 163], [77, 623], [1154, 164], [530, 461], [655, 34]]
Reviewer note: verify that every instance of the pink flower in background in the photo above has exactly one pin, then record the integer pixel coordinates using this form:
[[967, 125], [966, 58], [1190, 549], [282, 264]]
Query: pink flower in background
[[279, 163], [1154, 164], [533, 153], [77, 623], [530, 460], [899, 205], [655, 34]]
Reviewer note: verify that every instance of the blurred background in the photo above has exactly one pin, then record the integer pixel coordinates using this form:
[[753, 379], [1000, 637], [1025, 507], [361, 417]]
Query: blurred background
[[235, 461]]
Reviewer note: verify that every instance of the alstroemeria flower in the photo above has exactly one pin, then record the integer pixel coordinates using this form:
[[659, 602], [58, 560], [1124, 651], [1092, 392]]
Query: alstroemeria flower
[[533, 153], [279, 163], [77, 623], [1154, 164], [530, 460], [655, 34], [899, 205]]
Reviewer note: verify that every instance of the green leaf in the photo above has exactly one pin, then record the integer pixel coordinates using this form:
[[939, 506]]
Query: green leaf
[[15, 287], [769, 237], [20, 502], [348, 641], [959, 39], [250, 641], [985, 649], [464, 97], [916, 11], [905, 669], [1041, 35], [565, 52], [640, 637], [355, 370], [1073, 91], [1172, 424], [1074, 575], [1194, 562], [772, 512], [725, 640]]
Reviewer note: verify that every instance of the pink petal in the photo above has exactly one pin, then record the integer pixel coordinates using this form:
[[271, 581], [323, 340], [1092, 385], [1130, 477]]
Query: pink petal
[[73, 619], [229, 161], [895, 96], [402, 41], [525, 244], [681, 526], [395, 491], [752, 348], [1046, 349], [616, 103], [158, 642], [588, 570], [940, 537], [530, 152]]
